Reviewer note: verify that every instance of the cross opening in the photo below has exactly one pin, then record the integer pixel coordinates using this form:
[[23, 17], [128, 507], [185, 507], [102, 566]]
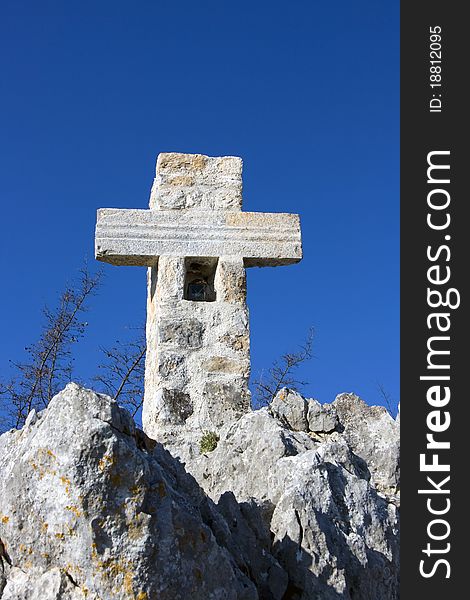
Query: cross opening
[[199, 279]]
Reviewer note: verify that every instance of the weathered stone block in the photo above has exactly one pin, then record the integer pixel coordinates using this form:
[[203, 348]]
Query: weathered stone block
[[230, 280], [197, 181], [169, 363], [137, 237], [181, 334], [172, 407], [222, 364], [226, 401], [237, 342], [170, 279]]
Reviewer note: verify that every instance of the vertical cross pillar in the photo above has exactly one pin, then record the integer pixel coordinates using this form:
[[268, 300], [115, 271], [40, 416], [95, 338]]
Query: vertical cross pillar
[[198, 351], [197, 364]]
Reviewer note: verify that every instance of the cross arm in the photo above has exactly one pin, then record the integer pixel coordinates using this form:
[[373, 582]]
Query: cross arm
[[138, 237]]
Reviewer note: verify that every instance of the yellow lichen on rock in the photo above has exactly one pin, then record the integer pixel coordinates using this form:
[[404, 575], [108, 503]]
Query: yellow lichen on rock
[[74, 510], [105, 460], [66, 482], [118, 571]]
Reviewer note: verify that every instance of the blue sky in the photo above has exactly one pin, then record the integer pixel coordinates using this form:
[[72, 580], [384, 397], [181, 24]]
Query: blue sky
[[306, 92]]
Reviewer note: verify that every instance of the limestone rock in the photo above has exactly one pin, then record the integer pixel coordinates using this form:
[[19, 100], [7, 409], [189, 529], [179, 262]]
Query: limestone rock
[[300, 414], [374, 435], [91, 509], [321, 417], [53, 584], [253, 536], [85, 513], [333, 534], [291, 409]]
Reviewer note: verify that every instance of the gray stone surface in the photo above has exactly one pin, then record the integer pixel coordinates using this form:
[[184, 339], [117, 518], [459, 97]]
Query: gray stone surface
[[87, 513], [290, 408], [137, 237], [373, 435], [333, 532], [321, 417], [300, 414], [53, 584], [189, 356], [334, 535], [195, 233], [194, 180]]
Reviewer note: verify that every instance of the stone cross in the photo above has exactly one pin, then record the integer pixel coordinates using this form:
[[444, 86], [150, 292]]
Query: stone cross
[[196, 242]]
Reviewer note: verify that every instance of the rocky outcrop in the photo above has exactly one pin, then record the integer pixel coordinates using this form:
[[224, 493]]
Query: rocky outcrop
[[85, 514], [374, 435], [369, 431], [90, 508], [334, 530], [301, 414]]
